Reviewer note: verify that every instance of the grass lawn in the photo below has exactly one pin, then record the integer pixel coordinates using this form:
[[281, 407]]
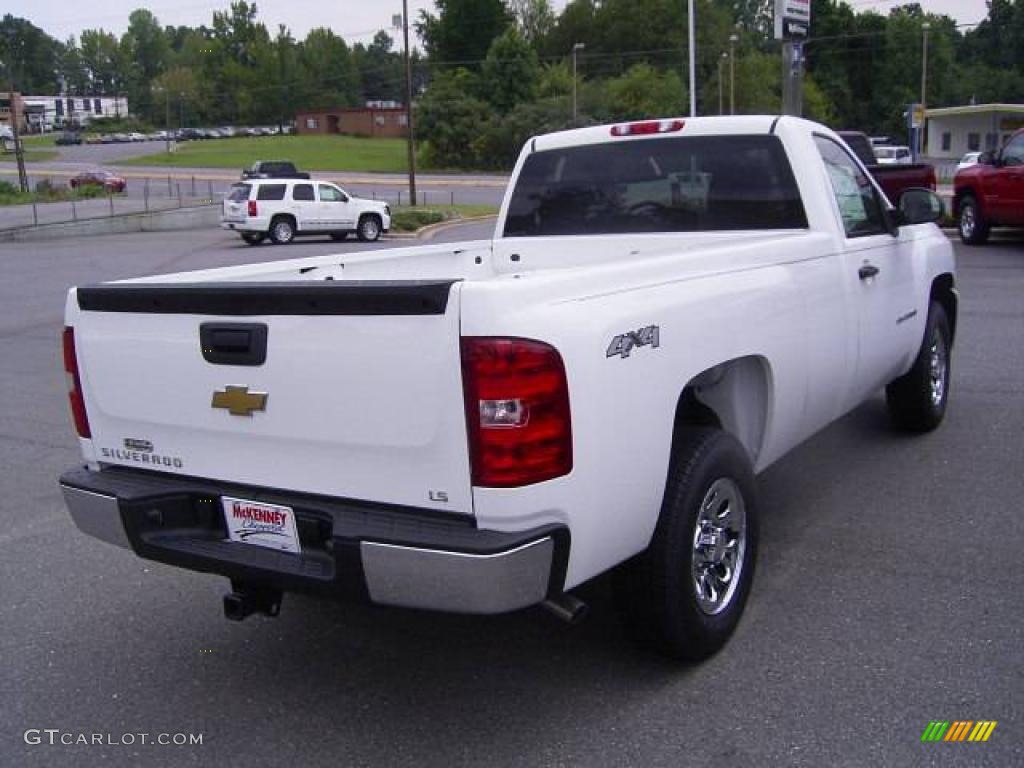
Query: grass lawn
[[309, 153], [38, 149]]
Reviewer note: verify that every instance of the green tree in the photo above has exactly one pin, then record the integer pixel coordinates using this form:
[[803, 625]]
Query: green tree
[[462, 30], [534, 18], [28, 56], [645, 92], [451, 121], [511, 72], [102, 59]]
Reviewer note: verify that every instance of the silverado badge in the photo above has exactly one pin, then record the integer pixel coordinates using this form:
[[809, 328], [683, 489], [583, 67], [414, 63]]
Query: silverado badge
[[239, 401]]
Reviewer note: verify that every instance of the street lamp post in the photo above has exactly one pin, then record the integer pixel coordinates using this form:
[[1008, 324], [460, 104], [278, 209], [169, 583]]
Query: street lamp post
[[733, 38], [721, 61], [577, 47]]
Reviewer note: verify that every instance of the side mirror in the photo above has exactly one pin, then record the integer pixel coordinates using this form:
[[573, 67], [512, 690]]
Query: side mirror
[[919, 206], [987, 158]]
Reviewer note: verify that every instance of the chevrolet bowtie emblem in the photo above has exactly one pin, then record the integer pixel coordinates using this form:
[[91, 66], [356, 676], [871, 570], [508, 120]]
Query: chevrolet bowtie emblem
[[239, 401]]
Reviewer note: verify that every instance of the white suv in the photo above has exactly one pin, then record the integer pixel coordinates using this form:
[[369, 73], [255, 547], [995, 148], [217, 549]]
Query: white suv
[[283, 209]]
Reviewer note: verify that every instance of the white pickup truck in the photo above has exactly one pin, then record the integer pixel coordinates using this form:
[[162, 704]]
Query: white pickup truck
[[665, 309]]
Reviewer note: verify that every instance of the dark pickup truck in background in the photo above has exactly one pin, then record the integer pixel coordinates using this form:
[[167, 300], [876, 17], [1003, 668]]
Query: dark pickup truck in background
[[894, 179], [991, 193], [274, 169]]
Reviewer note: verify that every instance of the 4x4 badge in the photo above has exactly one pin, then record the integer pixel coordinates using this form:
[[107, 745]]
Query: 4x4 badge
[[239, 401]]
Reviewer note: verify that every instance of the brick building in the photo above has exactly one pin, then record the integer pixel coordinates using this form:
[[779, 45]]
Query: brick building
[[386, 121]]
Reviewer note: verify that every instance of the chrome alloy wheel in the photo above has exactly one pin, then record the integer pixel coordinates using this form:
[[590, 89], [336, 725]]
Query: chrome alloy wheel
[[370, 228], [968, 222], [938, 368], [719, 546], [283, 231]]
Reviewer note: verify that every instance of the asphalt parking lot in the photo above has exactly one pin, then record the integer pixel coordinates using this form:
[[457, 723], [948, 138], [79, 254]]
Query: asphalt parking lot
[[888, 595]]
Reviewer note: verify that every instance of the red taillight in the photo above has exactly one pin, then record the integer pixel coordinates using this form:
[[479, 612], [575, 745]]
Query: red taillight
[[252, 208], [517, 411], [648, 127], [75, 396]]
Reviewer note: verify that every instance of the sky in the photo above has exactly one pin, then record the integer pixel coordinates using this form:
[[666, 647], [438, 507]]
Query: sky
[[355, 20]]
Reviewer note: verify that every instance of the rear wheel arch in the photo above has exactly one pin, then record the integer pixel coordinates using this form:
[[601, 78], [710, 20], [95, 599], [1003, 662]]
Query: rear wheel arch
[[734, 396]]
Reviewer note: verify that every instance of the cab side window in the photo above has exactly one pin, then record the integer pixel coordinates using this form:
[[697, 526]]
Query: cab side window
[[1013, 154], [303, 192], [859, 204]]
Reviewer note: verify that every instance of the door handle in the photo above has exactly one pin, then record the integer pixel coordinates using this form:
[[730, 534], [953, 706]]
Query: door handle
[[866, 271]]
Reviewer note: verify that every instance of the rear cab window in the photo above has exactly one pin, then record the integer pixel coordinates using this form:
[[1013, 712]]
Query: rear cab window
[[271, 191], [675, 184]]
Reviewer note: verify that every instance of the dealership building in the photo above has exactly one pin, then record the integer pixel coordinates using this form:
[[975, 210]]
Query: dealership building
[[46, 113], [954, 131]]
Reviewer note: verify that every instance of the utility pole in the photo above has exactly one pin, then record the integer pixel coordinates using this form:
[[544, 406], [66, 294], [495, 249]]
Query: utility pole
[[575, 49], [409, 125], [733, 38], [693, 62], [792, 77], [19, 150]]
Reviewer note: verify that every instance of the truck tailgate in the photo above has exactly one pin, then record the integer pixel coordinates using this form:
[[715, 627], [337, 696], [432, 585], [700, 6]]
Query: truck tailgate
[[362, 382]]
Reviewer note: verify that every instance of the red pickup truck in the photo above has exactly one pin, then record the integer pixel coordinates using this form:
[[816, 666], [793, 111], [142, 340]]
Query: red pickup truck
[[893, 179], [991, 193]]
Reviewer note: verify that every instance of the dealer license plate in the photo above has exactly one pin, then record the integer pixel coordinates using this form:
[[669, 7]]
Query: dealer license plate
[[265, 525]]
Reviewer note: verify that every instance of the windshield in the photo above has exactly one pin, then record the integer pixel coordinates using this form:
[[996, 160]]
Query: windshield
[[697, 184]]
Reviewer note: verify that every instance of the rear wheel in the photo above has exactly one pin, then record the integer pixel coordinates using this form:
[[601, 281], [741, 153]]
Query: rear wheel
[[974, 230], [282, 230], [369, 228], [917, 400], [253, 238], [685, 594]]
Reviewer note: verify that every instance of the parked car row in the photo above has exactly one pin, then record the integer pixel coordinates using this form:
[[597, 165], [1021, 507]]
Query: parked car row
[[228, 132], [180, 134]]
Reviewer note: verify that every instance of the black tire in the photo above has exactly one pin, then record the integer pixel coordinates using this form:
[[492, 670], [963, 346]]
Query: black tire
[[338, 236], [974, 230], [657, 592], [282, 230], [369, 228], [918, 400], [253, 238]]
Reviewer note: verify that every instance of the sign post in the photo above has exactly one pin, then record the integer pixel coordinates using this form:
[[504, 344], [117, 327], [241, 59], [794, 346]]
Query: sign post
[[792, 25]]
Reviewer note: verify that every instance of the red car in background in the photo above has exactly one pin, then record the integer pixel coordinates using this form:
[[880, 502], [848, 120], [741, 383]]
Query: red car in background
[[110, 182], [991, 193]]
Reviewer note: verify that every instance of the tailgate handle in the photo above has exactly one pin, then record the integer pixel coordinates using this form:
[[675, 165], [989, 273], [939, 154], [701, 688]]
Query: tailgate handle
[[233, 343]]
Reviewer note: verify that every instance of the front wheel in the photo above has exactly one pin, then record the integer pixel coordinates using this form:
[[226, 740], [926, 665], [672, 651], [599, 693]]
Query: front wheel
[[974, 230], [369, 229], [685, 594], [917, 400]]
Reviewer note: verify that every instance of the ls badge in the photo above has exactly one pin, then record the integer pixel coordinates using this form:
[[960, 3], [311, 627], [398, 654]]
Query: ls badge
[[239, 401], [623, 344]]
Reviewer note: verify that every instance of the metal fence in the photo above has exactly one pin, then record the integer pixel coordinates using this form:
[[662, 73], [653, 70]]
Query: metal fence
[[161, 193]]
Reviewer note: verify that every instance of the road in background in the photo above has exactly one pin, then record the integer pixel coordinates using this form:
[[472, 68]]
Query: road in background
[[888, 595]]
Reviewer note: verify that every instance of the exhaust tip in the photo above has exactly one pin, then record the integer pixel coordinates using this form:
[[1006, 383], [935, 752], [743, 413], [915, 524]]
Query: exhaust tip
[[566, 607]]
